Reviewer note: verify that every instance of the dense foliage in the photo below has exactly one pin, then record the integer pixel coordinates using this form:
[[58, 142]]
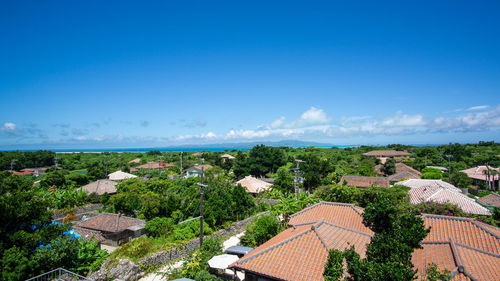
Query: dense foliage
[[29, 243], [261, 230], [398, 231]]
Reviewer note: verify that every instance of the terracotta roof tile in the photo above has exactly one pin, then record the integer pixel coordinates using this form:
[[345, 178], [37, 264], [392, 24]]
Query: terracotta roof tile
[[107, 222], [254, 185], [464, 231], [100, 187], [440, 194], [300, 252], [386, 153], [403, 175], [345, 215], [88, 234], [492, 200], [478, 173], [360, 181], [400, 167]]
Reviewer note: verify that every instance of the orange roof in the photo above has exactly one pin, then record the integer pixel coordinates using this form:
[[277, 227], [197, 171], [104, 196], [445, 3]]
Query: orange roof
[[254, 185], [360, 181], [23, 173], [469, 249], [154, 165], [400, 168], [386, 153], [136, 160]]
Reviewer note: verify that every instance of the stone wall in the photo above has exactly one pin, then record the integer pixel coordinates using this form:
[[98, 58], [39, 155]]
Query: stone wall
[[164, 257]]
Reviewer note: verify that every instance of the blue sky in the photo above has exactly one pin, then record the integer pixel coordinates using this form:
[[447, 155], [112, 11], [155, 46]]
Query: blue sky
[[92, 74]]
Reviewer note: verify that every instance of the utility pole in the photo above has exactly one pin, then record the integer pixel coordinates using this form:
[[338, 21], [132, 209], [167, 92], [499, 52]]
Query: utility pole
[[159, 163], [107, 157], [296, 179], [181, 164], [449, 156], [202, 186], [12, 164]]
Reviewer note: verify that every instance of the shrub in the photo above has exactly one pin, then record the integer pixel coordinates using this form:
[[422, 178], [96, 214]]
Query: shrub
[[261, 230], [159, 226], [444, 209], [337, 193], [134, 250]]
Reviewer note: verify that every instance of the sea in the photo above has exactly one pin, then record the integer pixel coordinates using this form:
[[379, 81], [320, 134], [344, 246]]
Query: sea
[[174, 149]]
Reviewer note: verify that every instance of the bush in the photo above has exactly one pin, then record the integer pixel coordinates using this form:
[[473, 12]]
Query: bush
[[159, 226], [444, 209], [337, 193], [134, 250], [261, 230], [432, 174]]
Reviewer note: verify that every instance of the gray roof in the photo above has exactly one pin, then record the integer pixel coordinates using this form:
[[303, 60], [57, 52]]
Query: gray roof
[[238, 250]]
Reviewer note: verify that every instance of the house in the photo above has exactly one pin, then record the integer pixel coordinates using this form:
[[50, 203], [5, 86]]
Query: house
[[442, 194], [155, 165], [100, 187], [467, 248], [484, 174], [360, 181], [254, 185], [417, 183], [402, 175], [442, 169], [116, 229], [89, 235], [196, 170], [227, 156], [490, 201], [383, 155], [119, 175], [135, 161], [198, 154], [400, 167]]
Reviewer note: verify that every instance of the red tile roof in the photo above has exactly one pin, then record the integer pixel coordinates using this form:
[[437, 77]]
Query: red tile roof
[[400, 167], [386, 153], [154, 165], [402, 175], [107, 222], [442, 194], [360, 181], [89, 235], [492, 200], [469, 249], [100, 187], [478, 173]]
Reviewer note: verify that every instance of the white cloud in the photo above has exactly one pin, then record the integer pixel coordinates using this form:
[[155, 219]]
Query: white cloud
[[277, 123], [80, 138], [9, 126], [404, 120], [479, 107], [313, 116]]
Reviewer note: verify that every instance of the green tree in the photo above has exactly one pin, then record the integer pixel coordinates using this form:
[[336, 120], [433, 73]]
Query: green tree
[[337, 193], [398, 231], [55, 178], [333, 267], [264, 159], [461, 180], [432, 173], [283, 180], [261, 230], [389, 167]]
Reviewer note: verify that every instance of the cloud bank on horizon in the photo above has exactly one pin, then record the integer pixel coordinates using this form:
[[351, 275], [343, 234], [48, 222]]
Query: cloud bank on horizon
[[314, 124]]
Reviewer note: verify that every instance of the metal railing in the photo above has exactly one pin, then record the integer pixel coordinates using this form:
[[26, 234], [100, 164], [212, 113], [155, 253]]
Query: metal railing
[[59, 274]]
